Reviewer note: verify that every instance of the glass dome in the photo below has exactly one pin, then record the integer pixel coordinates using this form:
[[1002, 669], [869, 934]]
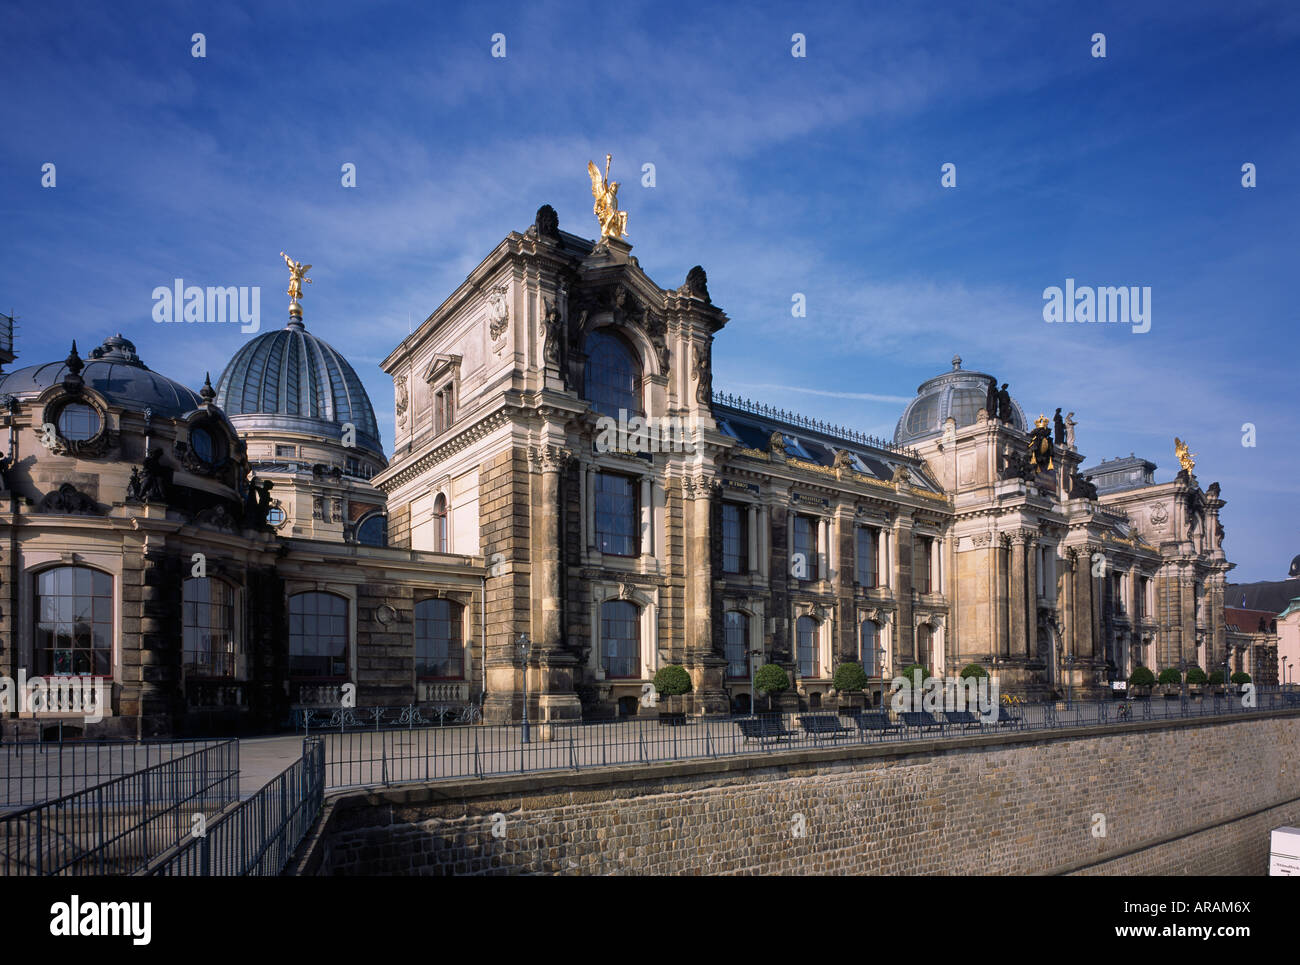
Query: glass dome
[[960, 394]]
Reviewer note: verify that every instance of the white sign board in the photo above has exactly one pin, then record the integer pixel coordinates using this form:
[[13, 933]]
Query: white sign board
[[1284, 852]]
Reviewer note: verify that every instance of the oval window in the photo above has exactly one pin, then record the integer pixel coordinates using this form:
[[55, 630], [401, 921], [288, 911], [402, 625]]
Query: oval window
[[78, 422]]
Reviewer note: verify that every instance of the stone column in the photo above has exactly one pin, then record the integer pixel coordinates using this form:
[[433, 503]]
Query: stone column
[[1081, 615], [1031, 591], [550, 668], [1001, 616], [707, 668], [1016, 595]]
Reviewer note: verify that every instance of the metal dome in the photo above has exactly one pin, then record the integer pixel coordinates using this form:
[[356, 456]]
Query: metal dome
[[115, 372], [960, 394], [302, 380]]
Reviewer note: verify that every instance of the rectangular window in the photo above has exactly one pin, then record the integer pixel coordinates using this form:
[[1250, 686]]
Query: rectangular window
[[922, 565], [735, 539], [808, 647], [737, 644], [868, 547], [285, 452], [618, 515], [804, 560]]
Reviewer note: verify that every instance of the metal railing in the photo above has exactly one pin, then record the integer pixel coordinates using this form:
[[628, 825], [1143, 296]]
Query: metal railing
[[795, 419], [360, 758], [36, 771], [121, 825], [260, 835], [310, 720]]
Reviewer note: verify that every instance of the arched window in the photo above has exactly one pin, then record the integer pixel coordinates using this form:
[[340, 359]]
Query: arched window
[[867, 647], [439, 640], [440, 524], [208, 627], [74, 622], [620, 639], [373, 530], [736, 625], [613, 375], [203, 444], [808, 647], [318, 635]]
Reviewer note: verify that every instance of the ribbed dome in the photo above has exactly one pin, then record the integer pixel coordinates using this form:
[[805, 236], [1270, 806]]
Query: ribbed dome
[[115, 372], [294, 374], [960, 393]]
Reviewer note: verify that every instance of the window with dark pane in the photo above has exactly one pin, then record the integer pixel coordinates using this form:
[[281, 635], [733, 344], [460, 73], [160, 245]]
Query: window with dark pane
[[74, 622], [439, 640], [620, 639], [208, 627], [318, 635], [613, 379], [735, 539], [736, 625], [618, 515]]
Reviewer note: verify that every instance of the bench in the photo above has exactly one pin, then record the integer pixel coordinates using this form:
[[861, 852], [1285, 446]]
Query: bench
[[823, 725], [763, 728], [920, 720], [1009, 718], [875, 723], [964, 719]]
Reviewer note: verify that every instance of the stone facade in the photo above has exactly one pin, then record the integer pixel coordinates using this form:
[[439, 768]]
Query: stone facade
[[1022, 804], [975, 557]]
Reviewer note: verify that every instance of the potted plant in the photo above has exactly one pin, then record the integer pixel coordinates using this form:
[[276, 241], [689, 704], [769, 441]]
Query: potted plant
[[1171, 681], [770, 680], [672, 682], [1196, 679], [1240, 678], [1140, 681], [850, 681]]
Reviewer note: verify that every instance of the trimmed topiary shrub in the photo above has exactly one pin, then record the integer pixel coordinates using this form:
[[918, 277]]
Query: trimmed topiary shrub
[[1170, 675], [1141, 677], [849, 677], [1196, 676], [1241, 677], [771, 679], [672, 681], [973, 670], [1215, 678], [908, 671]]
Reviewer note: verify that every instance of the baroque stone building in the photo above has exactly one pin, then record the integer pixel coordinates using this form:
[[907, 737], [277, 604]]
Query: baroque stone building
[[568, 507], [754, 535]]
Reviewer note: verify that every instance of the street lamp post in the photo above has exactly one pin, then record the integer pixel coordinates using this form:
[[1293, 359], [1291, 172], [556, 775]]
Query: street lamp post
[[1182, 672], [1069, 681], [753, 694], [523, 646], [880, 667]]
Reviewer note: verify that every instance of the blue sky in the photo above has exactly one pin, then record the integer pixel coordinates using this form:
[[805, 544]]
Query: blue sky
[[818, 175]]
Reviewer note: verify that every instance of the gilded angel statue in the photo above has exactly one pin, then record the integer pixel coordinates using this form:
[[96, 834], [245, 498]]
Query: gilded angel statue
[[296, 272], [1186, 458], [613, 223]]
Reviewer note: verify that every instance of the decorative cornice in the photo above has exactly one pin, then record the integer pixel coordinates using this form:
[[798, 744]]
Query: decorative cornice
[[462, 440]]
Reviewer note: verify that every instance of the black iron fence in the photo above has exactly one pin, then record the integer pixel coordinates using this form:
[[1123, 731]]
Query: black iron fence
[[367, 757], [36, 771], [260, 835], [121, 825]]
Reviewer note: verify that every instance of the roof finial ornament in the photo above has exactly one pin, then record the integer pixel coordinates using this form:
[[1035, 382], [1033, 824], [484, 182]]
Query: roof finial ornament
[[207, 393], [297, 273], [613, 223], [73, 361], [956, 362]]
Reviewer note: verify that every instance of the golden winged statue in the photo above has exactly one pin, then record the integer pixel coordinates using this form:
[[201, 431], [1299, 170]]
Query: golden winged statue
[[1186, 458], [613, 223], [296, 272]]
